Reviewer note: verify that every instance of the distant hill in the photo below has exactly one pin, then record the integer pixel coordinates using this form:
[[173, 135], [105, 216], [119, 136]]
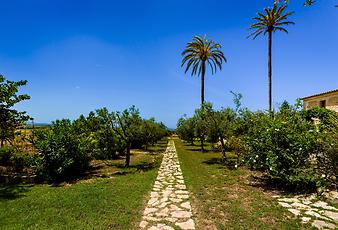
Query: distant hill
[[39, 124]]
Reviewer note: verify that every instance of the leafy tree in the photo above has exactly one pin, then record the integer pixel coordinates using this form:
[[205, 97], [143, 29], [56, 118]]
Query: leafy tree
[[219, 124], [152, 131], [10, 119], [198, 54], [126, 125], [186, 129], [201, 124], [271, 20]]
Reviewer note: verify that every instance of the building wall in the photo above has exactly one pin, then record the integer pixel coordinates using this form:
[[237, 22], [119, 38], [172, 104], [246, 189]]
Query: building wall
[[331, 101]]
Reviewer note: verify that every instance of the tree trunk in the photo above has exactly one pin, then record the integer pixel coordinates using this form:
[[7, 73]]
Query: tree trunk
[[202, 143], [202, 82], [270, 71], [2, 143], [127, 156], [223, 149]]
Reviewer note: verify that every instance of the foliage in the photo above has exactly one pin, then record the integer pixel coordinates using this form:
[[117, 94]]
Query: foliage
[[130, 129], [62, 154], [186, 129], [10, 119], [198, 54], [291, 149], [5, 154], [287, 145], [14, 160]]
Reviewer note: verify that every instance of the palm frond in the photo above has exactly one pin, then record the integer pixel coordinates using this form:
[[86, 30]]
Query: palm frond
[[272, 19], [201, 51]]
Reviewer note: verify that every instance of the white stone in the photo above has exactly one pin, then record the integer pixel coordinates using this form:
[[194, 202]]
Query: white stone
[[322, 224], [313, 213], [331, 215], [182, 196], [154, 194], [180, 186], [305, 219], [143, 224], [319, 204], [152, 201], [300, 206], [186, 205], [285, 205], [181, 214], [295, 212], [149, 210], [288, 200], [188, 225]]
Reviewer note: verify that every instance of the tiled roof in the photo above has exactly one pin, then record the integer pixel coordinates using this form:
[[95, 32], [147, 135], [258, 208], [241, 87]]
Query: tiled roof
[[320, 94]]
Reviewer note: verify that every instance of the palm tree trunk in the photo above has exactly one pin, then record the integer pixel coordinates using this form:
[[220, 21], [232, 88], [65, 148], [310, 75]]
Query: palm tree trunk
[[202, 82], [270, 71]]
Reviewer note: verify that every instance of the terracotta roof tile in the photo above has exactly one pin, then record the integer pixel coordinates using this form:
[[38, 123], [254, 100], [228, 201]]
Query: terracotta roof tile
[[320, 94]]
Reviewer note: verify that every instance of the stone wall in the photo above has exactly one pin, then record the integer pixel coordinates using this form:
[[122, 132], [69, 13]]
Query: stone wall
[[331, 101]]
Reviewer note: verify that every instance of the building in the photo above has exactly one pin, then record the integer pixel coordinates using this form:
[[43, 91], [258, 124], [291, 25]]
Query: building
[[328, 100]]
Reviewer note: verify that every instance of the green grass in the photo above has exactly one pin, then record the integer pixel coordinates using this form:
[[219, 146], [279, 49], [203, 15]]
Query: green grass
[[223, 198], [111, 197]]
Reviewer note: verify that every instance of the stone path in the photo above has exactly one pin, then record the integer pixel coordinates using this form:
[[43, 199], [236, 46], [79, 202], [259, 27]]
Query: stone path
[[168, 207], [311, 210]]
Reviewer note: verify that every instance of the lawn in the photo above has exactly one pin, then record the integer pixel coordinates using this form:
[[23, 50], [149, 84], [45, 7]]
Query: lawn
[[110, 197], [224, 198]]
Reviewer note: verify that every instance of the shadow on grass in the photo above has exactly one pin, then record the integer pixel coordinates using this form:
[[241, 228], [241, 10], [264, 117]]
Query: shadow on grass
[[275, 184], [230, 163], [11, 192], [142, 166]]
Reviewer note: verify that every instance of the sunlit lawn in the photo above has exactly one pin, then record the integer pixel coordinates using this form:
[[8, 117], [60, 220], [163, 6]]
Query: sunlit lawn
[[111, 197], [223, 198]]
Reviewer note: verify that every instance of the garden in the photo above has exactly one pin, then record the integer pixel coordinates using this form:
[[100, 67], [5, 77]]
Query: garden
[[220, 168]]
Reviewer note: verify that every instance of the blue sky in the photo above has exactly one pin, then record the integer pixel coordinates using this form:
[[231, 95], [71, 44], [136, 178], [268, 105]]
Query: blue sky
[[82, 55]]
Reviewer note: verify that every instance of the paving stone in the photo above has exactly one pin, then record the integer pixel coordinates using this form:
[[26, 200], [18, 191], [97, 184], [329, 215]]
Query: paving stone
[[289, 200], [285, 205], [305, 219], [296, 212], [181, 214], [149, 210], [186, 205], [187, 225], [143, 224], [314, 214], [300, 206], [331, 215], [323, 225], [319, 204]]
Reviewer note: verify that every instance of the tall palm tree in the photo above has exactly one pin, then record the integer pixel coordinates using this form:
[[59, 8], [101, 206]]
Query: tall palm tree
[[271, 20], [198, 54]]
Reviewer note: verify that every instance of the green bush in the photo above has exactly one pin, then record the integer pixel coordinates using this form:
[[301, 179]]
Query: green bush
[[20, 161], [62, 155], [5, 155], [290, 148]]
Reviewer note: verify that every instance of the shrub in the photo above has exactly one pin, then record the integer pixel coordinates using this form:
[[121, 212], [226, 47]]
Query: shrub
[[62, 155], [5, 155], [291, 149], [20, 161]]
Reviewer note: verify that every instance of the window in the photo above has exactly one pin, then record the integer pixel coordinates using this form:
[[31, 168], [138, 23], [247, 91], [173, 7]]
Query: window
[[322, 103]]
